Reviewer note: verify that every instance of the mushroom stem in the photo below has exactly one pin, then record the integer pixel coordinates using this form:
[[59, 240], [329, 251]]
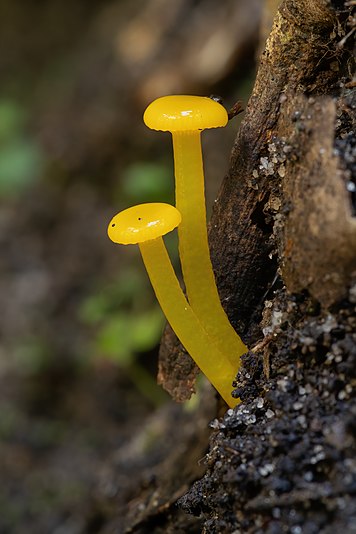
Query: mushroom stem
[[194, 251], [215, 365]]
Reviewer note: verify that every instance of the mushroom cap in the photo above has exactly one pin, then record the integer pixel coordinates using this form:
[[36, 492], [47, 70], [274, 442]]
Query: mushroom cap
[[143, 222], [184, 113]]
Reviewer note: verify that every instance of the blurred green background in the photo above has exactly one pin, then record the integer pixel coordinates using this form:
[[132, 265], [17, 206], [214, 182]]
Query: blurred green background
[[80, 327]]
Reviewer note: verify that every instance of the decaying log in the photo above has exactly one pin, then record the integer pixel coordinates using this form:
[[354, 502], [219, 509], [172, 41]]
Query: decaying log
[[284, 214], [179, 384], [318, 238]]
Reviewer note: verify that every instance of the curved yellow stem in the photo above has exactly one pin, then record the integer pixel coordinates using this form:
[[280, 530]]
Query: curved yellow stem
[[215, 365], [193, 246]]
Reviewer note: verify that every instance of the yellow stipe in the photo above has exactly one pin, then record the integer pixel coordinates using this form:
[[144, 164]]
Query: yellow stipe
[[194, 249], [215, 365]]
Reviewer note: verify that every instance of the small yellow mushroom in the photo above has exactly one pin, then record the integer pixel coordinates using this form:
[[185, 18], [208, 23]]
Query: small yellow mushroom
[[145, 225], [185, 117]]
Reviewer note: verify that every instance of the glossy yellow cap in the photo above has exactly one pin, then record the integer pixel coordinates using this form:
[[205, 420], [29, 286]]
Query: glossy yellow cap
[[143, 222], [176, 113]]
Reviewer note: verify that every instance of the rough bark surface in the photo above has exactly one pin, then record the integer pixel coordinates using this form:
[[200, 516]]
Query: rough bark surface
[[274, 145], [318, 233], [179, 384]]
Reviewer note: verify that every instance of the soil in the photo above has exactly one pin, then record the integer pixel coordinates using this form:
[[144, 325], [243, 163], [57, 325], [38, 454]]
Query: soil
[[284, 460]]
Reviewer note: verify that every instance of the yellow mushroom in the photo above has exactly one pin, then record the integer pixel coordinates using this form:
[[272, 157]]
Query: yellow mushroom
[[145, 225], [185, 117]]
